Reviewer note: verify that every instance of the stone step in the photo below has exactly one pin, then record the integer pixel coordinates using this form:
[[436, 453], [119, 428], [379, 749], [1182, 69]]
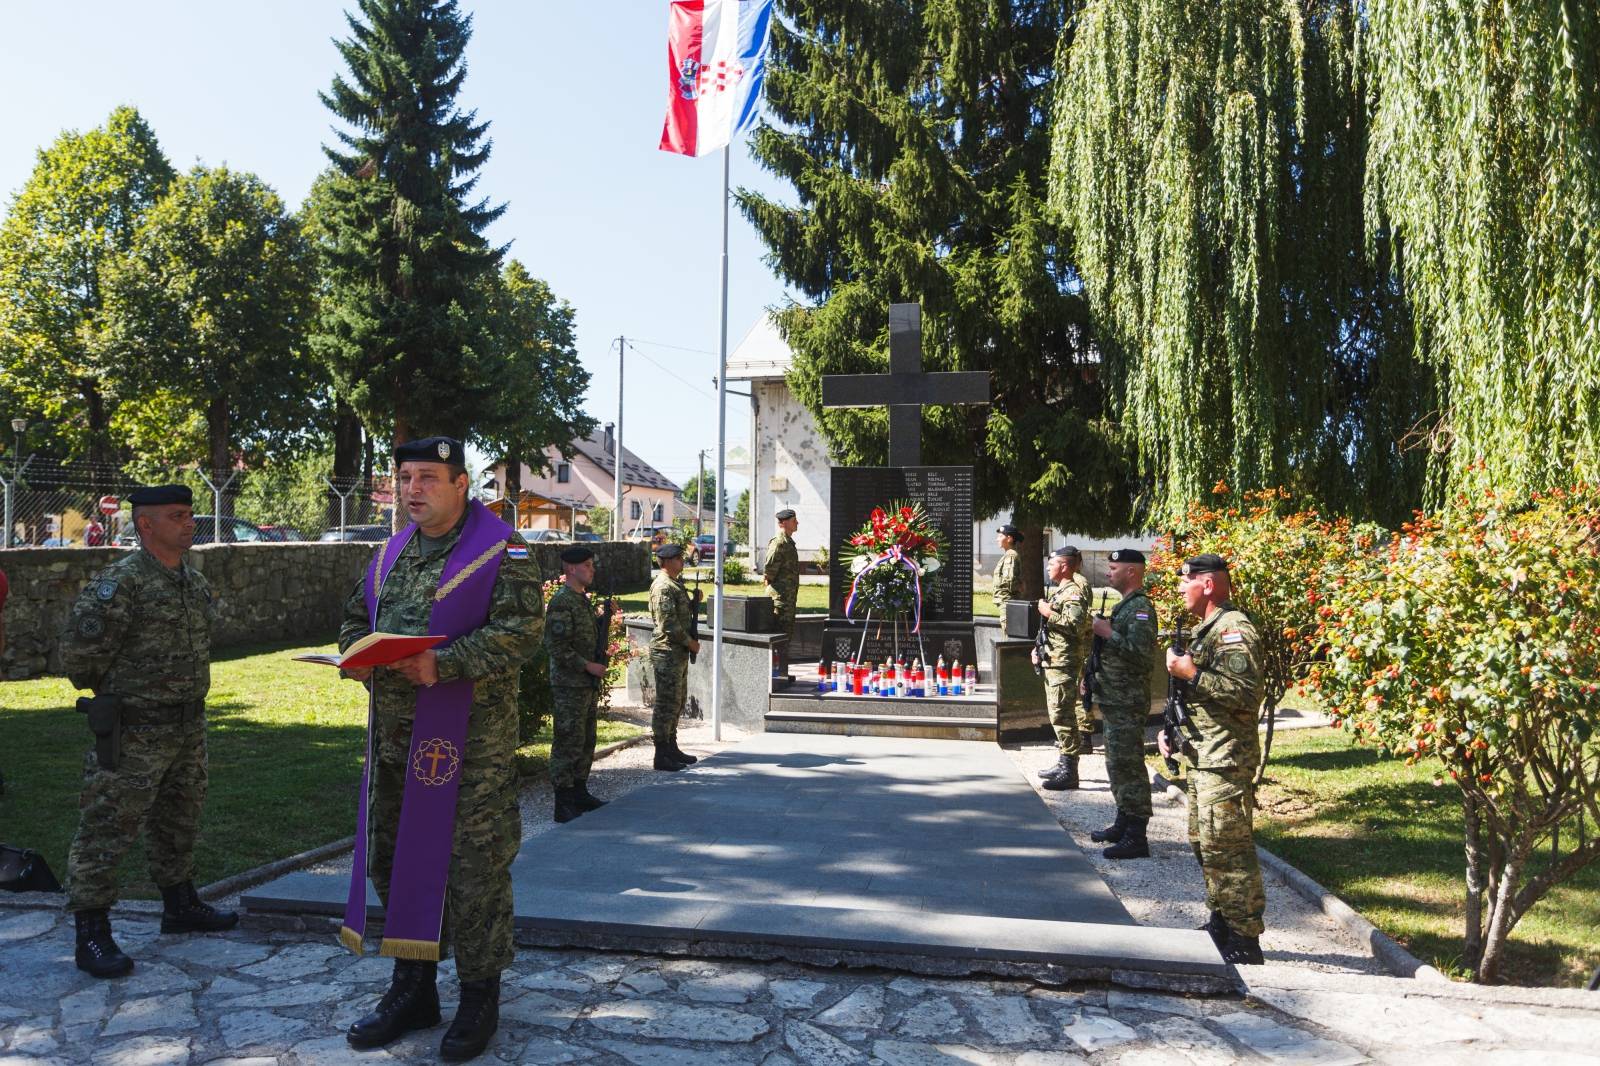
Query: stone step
[[918, 726], [879, 706]]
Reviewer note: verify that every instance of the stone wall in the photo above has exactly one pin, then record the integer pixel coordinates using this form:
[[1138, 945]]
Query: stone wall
[[267, 592]]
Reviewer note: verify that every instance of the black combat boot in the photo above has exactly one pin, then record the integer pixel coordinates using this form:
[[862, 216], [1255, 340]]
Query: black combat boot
[[182, 911], [681, 755], [588, 800], [1111, 833], [1217, 926], [1241, 950], [1134, 844], [1060, 767], [476, 1019], [664, 758], [1068, 778], [97, 954], [568, 804], [412, 1002], [1086, 742]]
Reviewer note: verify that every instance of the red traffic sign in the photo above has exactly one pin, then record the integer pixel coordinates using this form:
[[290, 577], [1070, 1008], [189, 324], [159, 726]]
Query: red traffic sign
[[110, 505]]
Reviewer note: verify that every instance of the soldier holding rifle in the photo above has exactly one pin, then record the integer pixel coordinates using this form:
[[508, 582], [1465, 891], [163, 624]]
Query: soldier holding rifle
[[1123, 682], [576, 640], [1064, 627]]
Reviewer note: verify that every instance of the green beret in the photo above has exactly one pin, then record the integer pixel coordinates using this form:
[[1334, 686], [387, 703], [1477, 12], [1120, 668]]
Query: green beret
[[431, 450], [156, 495], [1127, 555], [577, 554], [1205, 564]]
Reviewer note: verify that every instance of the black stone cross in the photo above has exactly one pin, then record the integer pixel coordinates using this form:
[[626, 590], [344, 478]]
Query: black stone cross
[[905, 389]]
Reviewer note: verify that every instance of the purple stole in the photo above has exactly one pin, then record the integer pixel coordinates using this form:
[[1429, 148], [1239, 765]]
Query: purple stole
[[414, 911]]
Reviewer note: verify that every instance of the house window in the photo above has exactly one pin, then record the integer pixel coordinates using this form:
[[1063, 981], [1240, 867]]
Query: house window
[[634, 510], [563, 472], [656, 513]]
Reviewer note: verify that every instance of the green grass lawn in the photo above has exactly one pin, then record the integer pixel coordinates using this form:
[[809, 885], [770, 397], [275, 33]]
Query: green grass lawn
[[1382, 837], [285, 747]]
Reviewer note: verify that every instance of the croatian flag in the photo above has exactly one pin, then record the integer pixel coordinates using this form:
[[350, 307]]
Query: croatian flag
[[716, 57]]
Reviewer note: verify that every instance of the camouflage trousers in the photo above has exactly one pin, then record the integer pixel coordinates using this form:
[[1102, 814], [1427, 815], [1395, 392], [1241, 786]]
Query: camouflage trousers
[[1130, 781], [783, 612], [159, 788], [1061, 704], [1221, 805], [574, 721], [671, 672], [488, 833]]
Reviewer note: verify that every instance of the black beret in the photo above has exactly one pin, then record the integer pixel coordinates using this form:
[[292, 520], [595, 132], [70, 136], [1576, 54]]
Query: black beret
[[1011, 531], [156, 495], [785, 514], [1205, 564], [431, 450], [1127, 555], [577, 554], [1067, 551], [669, 551]]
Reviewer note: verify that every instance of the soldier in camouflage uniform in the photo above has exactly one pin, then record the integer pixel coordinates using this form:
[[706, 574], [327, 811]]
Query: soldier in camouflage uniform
[[672, 609], [571, 634], [1222, 677], [488, 825], [782, 575], [140, 634], [1123, 683], [1005, 570], [1064, 614]]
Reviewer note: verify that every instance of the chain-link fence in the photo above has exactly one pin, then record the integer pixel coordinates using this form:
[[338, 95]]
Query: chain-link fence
[[50, 502]]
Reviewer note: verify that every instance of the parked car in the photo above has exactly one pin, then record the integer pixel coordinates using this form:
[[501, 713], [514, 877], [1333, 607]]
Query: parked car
[[588, 538], [545, 536], [703, 549], [234, 531], [282, 534], [355, 533]]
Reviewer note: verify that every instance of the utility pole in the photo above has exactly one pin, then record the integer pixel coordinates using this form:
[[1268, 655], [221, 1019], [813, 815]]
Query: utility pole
[[700, 495], [616, 455]]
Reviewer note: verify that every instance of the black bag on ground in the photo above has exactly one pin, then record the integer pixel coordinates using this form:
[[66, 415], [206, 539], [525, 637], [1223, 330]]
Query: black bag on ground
[[24, 870]]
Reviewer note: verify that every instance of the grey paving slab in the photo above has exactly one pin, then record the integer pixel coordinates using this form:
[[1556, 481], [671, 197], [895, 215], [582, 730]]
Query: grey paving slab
[[850, 844]]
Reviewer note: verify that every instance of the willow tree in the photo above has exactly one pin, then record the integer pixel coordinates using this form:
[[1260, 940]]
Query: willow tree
[[915, 135], [1486, 157], [1209, 160]]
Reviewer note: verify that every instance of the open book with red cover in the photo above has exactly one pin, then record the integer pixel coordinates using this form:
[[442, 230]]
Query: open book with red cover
[[376, 649]]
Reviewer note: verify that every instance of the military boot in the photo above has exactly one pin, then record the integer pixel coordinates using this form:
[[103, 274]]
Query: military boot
[[1241, 950], [587, 800], [1134, 844], [1111, 833], [1086, 742], [182, 911], [97, 954], [1217, 927], [1068, 778], [1060, 767], [412, 1002], [476, 1019], [569, 804], [664, 758], [681, 755]]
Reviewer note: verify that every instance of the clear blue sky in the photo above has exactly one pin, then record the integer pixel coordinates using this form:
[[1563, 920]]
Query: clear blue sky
[[575, 93]]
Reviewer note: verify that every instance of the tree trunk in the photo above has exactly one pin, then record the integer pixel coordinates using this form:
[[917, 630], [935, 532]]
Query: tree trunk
[[1501, 919], [1266, 743], [1472, 942], [347, 455], [513, 487], [1030, 564], [99, 450], [217, 445]]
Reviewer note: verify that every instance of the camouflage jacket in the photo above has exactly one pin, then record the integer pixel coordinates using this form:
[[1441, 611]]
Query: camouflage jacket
[[1129, 653], [1225, 696], [671, 609], [491, 656], [1064, 629], [783, 567], [143, 632], [570, 632], [1005, 577]]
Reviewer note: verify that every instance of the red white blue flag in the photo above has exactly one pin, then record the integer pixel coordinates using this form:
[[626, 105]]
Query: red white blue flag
[[716, 58]]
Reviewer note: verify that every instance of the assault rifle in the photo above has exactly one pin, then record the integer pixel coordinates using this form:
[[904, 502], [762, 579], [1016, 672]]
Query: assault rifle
[[1039, 647], [695, 599], [602, 636], [1175, 720], [1090, 670]]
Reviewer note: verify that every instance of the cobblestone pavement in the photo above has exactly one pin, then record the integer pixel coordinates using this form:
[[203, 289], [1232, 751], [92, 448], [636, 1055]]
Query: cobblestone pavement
[[277, 998]]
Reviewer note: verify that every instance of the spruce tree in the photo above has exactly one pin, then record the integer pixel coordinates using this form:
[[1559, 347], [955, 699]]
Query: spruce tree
[[402, 320], [916, 137]]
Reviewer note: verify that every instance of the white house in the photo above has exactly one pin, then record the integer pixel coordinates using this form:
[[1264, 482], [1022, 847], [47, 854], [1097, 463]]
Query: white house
[[588, 478]]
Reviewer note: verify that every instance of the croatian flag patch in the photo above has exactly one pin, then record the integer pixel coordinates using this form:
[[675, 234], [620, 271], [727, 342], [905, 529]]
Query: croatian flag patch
[[517, 551]]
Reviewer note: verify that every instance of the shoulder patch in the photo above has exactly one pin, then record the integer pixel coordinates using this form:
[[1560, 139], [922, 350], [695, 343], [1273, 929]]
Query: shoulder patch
[[558, 625], [90, 627], [1237, 661], [1143, 616], [105, 590], [1233, 637], [515, 550]]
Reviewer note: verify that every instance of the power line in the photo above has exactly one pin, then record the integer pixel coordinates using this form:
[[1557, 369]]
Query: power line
[[673, 347], [681, 380]]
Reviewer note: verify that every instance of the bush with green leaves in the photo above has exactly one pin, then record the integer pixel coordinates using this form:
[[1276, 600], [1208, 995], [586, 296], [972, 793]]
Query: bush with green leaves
[[733, 571], [1473, 642]]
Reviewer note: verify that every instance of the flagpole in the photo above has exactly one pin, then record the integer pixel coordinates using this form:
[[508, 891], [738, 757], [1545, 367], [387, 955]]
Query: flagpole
[[722, 455]]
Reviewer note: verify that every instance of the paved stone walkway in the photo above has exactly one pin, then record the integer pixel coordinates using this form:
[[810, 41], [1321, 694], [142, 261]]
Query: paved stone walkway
[[276, 998]]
